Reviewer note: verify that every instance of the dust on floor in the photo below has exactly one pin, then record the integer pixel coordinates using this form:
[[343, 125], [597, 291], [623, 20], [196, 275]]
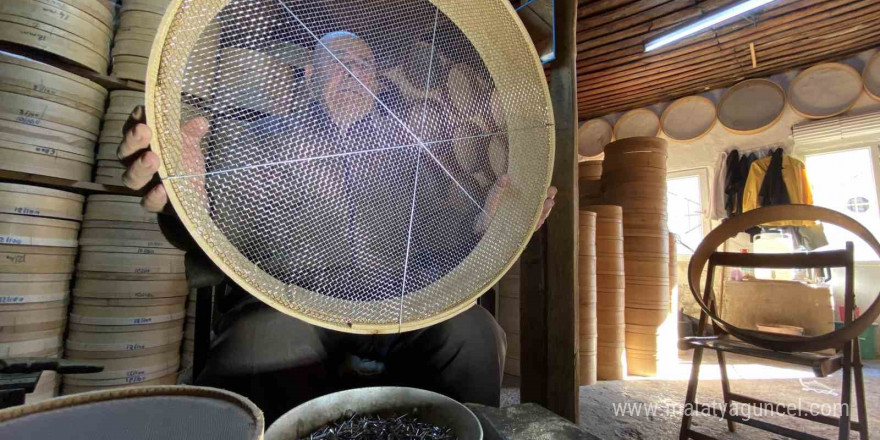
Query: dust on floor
[[650, 409]]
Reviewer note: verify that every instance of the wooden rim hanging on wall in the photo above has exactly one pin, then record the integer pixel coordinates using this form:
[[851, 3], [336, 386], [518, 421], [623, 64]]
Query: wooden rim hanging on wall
[[593, 136], [773, 341], [871, 76], [647, 124], [689, 119], [745, 106], [841, 82]]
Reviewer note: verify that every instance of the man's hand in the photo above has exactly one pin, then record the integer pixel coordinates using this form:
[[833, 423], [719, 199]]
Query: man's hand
[[143, 164], [494, 200]]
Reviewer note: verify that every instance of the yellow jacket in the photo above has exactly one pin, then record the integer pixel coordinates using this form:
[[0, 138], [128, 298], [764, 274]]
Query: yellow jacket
[[794, 174]]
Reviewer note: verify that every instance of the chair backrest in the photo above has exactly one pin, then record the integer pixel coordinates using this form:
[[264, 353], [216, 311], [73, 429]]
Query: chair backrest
[[706, 254]]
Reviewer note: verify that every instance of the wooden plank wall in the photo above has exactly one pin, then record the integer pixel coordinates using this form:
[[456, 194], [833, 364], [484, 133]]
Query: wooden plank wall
[[616, 74]]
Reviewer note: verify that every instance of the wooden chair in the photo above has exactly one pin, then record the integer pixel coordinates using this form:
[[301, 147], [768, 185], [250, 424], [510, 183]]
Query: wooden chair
[[797, 350]]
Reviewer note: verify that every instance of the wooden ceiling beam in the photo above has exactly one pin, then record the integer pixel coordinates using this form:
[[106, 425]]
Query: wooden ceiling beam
[[601, 64], [718, 59], [768, 18], [822, 46], [663, 63], [618, 13], [588, 8], [767, 39], [615, 73], [663, 16], [587, 113], [613, 103], [851, 45], [641, 21]]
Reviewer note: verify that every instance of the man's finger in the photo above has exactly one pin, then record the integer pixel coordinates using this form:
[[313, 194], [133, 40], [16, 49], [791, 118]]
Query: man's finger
[[135, 140], [193, 130], [545, 211], [551, 192], [155, 199], [141, 170]]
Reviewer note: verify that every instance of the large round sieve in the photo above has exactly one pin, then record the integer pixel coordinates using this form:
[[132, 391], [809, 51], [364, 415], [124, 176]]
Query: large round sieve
[[342, 175]]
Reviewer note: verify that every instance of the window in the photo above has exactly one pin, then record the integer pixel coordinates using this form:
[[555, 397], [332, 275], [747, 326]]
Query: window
[[844, 181], [686, 195]]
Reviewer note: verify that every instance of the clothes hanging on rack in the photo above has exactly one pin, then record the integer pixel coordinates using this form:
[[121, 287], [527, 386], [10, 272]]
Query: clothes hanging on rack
[[773, 190], [730, 183], [718, 211], [793, 176], [737, 172]]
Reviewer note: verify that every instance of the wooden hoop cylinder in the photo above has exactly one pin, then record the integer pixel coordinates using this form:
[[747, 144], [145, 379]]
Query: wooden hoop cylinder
[[37, 231], [122, 354], [99, 315], [131, 341], [131, 367], [39, 201], [90, 288], [25, 292], [16, 259], [765, 215], [96, 328], [32, 130], [131, 260], [51, 83], [79, 381], [117, 208], [44, 161], [47, 38]]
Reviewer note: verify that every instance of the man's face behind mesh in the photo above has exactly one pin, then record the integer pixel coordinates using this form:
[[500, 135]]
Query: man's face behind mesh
[[345, 96]]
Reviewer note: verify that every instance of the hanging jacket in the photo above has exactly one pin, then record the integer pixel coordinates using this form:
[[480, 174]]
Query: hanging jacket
[[731, 184], [745, 165], [793, 175], [773, 190]]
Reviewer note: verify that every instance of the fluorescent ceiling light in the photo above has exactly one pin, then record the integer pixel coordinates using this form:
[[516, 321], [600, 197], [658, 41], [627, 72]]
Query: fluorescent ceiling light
[[709, 21]]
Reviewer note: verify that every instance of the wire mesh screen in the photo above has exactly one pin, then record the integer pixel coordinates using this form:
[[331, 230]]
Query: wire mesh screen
[[342, 160]]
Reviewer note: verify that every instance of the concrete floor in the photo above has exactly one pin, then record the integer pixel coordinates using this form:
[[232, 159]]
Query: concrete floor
[[664, 396]]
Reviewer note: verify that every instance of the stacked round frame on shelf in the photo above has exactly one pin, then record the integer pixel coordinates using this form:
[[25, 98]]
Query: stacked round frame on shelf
[[590, 182], [138, 24], [610, 358], [634, 177], [122, 103], [38, 238], [587, 329], [77, 30], [129, 298], [49, 119]]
